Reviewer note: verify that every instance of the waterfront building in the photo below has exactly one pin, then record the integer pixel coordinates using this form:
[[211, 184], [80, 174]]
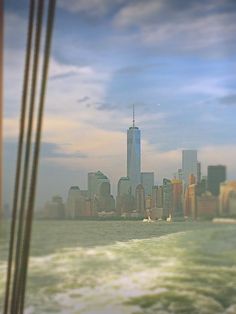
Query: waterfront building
[[160, 197], [199, 172], [105, 200], [180, 174], [154, 196], [156, 211], [215, 176], [189, 165], [125, 202], [148, 202], [202, 186], [134, 156], [167, 198], [89, 208], [95, 179], [54, 209], [76, 203], [227, 198], [147, 181], [207, 205], [190, 198], [124, 186], [177, 189], [99, 192], [140, 200]]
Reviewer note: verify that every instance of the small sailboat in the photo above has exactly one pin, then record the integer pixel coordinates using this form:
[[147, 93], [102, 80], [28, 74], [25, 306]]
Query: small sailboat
[[169, 219]]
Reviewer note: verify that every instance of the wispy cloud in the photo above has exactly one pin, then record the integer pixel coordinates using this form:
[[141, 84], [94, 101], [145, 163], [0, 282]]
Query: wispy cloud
[[93, 8], [184, 26], [228, 100]]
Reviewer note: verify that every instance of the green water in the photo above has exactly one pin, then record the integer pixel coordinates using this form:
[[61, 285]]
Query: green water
[[119, 267]]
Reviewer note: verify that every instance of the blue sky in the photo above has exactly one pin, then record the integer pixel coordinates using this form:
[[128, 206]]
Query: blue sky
[[174, 59]]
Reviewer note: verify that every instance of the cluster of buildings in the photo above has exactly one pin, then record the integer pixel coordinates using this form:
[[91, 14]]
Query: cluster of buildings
[[188, 194]]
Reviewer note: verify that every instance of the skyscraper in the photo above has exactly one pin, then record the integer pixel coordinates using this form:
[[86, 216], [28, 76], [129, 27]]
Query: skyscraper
[[189, 165], [215, 176], [125, 202], [133, 156], [140, 199], [95, 179], [177, 188], [199, 172], [147, 181], [99, 191], [167, 198]]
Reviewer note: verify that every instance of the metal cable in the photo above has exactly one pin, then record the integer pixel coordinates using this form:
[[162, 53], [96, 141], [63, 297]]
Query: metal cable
[[19, 154], [34, 173], [21, 222], [21, 249]]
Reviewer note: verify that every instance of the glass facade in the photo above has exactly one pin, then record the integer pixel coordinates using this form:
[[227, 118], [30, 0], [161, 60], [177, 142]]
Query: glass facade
[[134, 157]]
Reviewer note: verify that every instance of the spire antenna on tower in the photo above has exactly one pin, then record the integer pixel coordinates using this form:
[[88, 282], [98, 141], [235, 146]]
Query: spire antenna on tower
[[133, 116]]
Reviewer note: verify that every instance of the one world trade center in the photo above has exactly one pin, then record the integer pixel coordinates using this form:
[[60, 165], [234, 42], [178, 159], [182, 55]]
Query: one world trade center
[[134, 156]]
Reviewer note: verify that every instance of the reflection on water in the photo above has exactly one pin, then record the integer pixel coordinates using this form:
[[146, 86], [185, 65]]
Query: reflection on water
[[130, 267]]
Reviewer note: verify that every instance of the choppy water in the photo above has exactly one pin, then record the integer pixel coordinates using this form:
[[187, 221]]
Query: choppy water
[[130, 267]]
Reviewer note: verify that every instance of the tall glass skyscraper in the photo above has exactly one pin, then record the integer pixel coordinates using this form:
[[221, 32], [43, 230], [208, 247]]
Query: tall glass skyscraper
[[189, 164], [134, 156]]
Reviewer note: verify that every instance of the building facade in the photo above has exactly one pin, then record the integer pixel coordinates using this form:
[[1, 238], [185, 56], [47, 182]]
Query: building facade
[[167, 198], [215, 176], [134, 157], [227, 198], [177, 189], [54, 209], [140, 200], [147, 181], [189, 165]]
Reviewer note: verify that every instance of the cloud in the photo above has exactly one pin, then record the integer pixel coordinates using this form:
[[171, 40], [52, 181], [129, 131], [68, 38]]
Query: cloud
[[52, 150], [184, 26], [93, 8], [210, 86], [229, 100], [48, 151], [83, 99], [138, 12], [60, 70], [137, 69]]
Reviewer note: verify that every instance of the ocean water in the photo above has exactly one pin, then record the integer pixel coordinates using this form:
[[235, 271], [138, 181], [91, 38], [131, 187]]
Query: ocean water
[[114, 267]]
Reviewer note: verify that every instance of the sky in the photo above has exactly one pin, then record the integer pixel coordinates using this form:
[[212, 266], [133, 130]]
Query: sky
[[174, 59]]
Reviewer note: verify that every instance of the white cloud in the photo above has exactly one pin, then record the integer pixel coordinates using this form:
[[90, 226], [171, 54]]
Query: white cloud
[[90, 7], [137, 13], [194, 28], [59, 69], [210, 86]]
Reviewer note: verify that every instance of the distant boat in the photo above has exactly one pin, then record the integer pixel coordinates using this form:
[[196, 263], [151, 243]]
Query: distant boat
[[224, 221], [169, 219], [148, 219]]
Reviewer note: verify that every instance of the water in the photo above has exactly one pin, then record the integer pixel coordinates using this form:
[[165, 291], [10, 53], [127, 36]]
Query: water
[[130, 267]]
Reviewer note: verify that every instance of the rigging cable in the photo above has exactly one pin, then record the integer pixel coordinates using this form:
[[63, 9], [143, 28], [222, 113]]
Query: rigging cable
[[34, 174], [19, 154], [21, 249], [26, 169]]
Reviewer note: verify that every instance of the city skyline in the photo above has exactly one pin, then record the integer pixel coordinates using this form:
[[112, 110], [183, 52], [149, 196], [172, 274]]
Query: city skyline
[[118, 148], [183, 88]]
